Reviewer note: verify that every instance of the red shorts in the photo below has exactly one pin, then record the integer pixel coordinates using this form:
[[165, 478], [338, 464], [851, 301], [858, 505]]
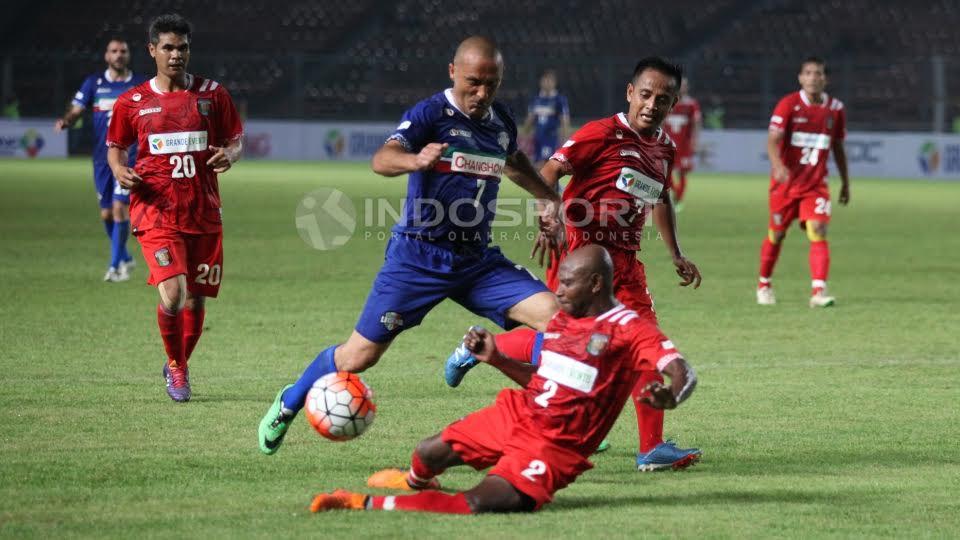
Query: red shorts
[[170, 253], [784, 208], [684, 162], [629, 281], [500, 436]]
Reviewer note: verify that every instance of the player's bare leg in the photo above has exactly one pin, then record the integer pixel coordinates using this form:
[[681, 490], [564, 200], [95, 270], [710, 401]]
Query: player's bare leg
[[355, 356], [769, 253], [819, 264], [173, 297], [431, 457]]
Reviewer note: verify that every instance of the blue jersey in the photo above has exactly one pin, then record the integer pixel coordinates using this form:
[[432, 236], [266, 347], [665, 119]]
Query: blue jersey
[[456, 200], [100, 92], [547, 110]]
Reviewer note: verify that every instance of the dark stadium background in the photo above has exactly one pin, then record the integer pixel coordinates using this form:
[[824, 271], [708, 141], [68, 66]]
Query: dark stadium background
[[895, 64]]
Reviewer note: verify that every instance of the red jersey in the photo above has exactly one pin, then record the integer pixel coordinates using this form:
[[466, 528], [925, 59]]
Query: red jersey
[[174, 131], [681, 122], [809, 129], [617, 175], [588, 367]]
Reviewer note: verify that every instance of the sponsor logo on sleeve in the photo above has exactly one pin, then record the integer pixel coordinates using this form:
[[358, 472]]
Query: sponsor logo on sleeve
[[151, 110], [177, 142], [403, 125], [391, 320]]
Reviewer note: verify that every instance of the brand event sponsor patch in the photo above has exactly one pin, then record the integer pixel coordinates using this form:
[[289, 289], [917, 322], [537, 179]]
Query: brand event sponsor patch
[[176, 143], [566, 371], [639, 185], [472, 163], [820, 141], [162, 256], [151, 110]]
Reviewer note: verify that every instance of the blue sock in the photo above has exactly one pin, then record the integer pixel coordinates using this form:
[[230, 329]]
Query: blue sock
[[295, 396], [118, 242], [108, 226]]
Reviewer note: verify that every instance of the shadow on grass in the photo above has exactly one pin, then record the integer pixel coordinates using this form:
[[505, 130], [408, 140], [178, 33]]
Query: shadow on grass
[[711, 498]]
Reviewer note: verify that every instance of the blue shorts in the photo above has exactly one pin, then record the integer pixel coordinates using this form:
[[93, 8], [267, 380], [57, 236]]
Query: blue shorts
[[108, 189], [417, 275]]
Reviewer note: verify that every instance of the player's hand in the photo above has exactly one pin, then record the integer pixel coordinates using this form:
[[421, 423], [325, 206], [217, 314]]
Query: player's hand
[[844, 194], [780, 173], [429, 156], [221, 160], [688, 272], [127, 177], [59, 125], [658, 396], [481, 344]]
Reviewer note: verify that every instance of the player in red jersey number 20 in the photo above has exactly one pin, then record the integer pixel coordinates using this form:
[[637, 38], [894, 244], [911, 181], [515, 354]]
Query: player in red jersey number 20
[[188, 131], [804, 128], [537, 440]]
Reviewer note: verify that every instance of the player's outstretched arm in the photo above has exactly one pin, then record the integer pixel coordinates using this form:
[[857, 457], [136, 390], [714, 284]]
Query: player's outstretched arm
[[392, 159], [665, 218], [840, 156], [481, 343], [683, 380]]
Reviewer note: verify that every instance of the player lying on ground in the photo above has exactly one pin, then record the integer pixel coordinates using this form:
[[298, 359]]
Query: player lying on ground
[[537, 440], [455, 145], [620, 169]]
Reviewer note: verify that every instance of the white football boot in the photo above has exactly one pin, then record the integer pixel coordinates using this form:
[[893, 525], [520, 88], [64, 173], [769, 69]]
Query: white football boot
[[765, 296]]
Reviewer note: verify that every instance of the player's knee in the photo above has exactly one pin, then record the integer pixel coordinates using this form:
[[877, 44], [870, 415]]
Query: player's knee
[[499, 498], [106, 214], [173, 293], [194, 303], [776, 236], [434, 452], [355, 358], [816, 231]]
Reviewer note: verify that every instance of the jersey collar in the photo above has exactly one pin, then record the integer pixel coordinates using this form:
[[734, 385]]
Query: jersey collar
[[156, 89], [106, 75], [806, 100], [552, 93], [622, 118], [448, 94]]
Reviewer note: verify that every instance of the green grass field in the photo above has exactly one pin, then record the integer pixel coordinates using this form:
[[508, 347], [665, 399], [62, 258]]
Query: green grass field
[[831, 423]]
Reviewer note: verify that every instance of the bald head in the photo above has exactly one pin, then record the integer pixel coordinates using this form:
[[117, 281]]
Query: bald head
[[477, 48], [586, 281], [476, 72]]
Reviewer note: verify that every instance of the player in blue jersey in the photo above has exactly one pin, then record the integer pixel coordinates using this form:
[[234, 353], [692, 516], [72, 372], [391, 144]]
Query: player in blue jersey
[[454, 145], [100, 91], [549, 116]]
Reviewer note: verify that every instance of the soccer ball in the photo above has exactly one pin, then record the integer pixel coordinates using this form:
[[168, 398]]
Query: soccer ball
[[340, 406]]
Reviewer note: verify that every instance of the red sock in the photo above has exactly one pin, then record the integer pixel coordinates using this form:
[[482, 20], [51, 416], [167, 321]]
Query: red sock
[[681, 187], [517, 344], [192, 328], [649, 420], [171, 330], [769, 253], [425, 501], [819, 261], [420, 475]]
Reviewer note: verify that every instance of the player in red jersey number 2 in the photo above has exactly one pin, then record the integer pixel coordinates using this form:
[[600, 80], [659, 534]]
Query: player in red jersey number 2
[[188, 131], [804, 128], [537, 440]]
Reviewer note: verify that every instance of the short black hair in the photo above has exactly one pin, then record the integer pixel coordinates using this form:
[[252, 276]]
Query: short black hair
[[169, 23], [812, 59], [118, 39], [658, 64]]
